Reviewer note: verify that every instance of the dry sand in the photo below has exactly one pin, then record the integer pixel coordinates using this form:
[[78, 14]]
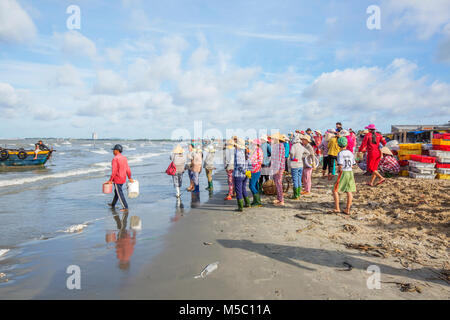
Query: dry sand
[[401, 226]]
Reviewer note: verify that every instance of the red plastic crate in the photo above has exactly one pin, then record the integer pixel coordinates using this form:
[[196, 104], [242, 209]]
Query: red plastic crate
[[445, 136], [442, 148], [443, 165], [423, 159], [403, 163]]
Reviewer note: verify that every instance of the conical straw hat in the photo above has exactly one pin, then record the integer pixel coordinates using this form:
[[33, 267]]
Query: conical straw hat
[[178, 149]]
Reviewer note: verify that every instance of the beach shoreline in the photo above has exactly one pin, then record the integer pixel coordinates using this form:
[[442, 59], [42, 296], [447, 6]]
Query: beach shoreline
[[269, 253]]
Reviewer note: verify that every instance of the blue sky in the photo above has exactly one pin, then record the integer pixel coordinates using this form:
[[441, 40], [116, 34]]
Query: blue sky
[[143, 69]]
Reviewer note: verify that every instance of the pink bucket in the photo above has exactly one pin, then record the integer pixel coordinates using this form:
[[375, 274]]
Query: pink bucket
[[107, 187]]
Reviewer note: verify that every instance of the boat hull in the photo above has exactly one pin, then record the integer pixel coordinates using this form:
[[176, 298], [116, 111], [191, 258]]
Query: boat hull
[[14, 161]]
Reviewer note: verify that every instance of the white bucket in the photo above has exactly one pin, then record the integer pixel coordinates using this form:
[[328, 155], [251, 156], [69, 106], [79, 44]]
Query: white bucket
[[133, 189]]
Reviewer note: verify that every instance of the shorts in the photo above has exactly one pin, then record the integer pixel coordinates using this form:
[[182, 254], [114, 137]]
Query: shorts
[[346, 182]]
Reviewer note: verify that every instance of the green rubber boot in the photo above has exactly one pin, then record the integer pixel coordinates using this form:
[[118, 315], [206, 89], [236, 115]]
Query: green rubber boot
[[240, 205], [258, 203], [294, 193], [254, 202], [247, 202]]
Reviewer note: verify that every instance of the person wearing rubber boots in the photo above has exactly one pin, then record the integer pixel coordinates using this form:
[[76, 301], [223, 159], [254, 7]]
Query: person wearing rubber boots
[[240, 175]]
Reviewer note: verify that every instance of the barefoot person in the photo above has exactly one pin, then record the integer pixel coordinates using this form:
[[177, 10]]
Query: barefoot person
[[120, 171], [371, 145], [345, 181], [307, 168]]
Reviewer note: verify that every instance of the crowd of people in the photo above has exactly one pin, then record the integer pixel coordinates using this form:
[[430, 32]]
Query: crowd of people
[[254, 163], [249, 164]]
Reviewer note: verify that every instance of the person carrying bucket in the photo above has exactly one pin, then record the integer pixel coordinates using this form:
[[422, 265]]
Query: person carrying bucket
[[120, 171]]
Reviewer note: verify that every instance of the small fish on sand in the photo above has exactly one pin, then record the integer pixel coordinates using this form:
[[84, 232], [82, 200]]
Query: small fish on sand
[[208, 269]]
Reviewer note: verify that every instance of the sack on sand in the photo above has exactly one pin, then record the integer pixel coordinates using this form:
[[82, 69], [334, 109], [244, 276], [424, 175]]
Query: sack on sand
[[171, 170], [269, 187]]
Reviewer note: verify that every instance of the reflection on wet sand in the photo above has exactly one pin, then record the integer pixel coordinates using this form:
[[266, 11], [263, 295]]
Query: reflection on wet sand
[[124, 239], [195, 199], [179, 211]]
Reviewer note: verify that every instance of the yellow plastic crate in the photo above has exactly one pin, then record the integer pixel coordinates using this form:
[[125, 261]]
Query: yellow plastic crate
[[408, 152], [403, 173], [405, 157], [443, 176], [440, 142], [410, 146]]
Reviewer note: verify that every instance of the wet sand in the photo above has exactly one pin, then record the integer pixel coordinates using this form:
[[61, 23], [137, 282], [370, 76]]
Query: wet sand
[[269, 253]]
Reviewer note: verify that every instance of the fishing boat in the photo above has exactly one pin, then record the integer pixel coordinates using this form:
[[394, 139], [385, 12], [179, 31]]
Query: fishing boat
[[21, 157]]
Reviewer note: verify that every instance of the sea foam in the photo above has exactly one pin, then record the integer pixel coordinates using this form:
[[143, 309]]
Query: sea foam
[[3, 252], [97, 167]]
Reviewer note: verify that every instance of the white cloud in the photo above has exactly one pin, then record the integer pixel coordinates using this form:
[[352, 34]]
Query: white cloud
[[9, 100], [426, 17], [392, 92], [114, 55], [67, 75], [300, 37], [109, 82], [15, 23], [73, 43]]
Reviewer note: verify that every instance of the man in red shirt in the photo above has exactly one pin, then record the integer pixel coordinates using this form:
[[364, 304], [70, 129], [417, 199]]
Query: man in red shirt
[[120, 171]]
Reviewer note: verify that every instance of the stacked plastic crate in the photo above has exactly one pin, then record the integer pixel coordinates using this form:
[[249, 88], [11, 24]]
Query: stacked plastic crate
[[404, 155], [422, 167], [441, 150]]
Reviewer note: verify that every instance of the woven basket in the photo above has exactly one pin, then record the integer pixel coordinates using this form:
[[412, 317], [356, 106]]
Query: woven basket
[[269, 188]]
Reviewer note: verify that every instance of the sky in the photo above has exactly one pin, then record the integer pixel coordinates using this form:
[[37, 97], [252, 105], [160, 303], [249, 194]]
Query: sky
[[153, 69]]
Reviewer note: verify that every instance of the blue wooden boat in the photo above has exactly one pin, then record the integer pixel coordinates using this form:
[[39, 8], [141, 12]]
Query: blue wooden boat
[[23, 158]]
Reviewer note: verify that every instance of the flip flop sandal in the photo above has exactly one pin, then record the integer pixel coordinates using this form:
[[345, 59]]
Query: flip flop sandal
[[380, 182]]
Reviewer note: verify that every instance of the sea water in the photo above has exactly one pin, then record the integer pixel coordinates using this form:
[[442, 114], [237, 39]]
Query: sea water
[[56, 216]]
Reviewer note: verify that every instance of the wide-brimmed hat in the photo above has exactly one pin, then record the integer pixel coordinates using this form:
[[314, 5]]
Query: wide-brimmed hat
[[277, 136], [240, 143], [385, 150], [318, 131], [230, 143], [344, 133], [306, 137], [256, 141], [178, 149], [264, 137], [371, 127]]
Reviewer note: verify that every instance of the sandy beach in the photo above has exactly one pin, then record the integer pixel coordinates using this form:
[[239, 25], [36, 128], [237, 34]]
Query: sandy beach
[[302, 252]]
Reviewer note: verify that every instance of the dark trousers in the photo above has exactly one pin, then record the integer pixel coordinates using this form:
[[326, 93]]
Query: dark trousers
[[118, 195], [331, 163], [240, 185]]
